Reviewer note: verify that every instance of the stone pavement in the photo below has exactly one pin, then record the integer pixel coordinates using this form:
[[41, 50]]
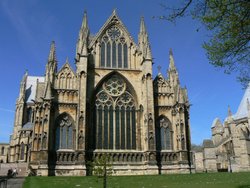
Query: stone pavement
[[15, 182]]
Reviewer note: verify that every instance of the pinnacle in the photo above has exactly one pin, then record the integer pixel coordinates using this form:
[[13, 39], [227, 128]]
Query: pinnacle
[[142, 26], [84, 21], [171, 60], [114, 11], [67, 60], [52, 53], [229, 112]]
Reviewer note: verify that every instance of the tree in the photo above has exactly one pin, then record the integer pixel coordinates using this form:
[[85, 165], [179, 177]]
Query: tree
[[229, 24], [101, 167]]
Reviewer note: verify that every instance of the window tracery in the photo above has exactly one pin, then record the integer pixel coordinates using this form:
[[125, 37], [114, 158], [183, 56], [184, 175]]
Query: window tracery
[[64, 133], [115, 116], [165, 135], [114, 50]]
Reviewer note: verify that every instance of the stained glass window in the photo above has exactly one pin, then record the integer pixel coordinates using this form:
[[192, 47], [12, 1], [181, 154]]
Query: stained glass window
[[164, 134], [118, 106], [64, 132], [114, 55], [114, 49], [125, 55], [103, 54], [120, 55]]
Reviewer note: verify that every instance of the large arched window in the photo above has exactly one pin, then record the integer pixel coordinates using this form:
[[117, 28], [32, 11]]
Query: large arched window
[[164, 134], [115, 116], [64, 132], [114, 50]]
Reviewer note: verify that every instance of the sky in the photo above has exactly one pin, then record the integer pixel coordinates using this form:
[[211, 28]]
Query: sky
[[27, 28]]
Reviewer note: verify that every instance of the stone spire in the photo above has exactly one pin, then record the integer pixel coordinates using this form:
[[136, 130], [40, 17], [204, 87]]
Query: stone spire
[[229, 112], [143, 41], [148, 54], [81, 47], [84, 21], [51, 67], [142, 26], [171, 60], [23, 86], [114, 12], [67, 60], [172, 71], [52, 53]]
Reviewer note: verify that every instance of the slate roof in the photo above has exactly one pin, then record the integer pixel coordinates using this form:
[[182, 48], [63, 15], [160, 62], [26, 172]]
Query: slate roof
[[208, 143], [242, 109], [31, 85], [27, 126]]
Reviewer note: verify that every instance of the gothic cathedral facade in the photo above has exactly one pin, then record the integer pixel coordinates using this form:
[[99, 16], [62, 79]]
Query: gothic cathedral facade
[[110, 105]]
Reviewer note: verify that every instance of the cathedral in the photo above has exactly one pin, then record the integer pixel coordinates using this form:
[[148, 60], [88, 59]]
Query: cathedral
[[229, 146], [109, 104]]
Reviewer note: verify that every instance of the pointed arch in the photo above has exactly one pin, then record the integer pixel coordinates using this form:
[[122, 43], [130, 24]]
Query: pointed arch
[[114, 50], [164, 134], [64, 132], [68, 81], [109, 75], [115, 113]]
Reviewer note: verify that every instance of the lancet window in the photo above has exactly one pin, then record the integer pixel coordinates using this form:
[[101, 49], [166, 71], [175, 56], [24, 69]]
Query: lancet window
[[2, 151], [29, 115], [114, 50], [115, 116], [164, 134], [64, 132], [22, 150]]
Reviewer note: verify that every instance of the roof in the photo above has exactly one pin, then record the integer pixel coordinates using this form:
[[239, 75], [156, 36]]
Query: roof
[[27, 126], [242, 109], [4, 144], [208, 143], [31, 85]]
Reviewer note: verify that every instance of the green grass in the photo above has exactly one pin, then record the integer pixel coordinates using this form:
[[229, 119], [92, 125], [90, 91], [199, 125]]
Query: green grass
[[210, 180]]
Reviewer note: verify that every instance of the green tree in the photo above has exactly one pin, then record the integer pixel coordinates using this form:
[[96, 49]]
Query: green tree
[[102, 168], [229, 24]]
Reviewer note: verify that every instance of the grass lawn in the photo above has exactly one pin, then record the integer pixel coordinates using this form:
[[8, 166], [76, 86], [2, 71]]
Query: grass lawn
[[210, 180]]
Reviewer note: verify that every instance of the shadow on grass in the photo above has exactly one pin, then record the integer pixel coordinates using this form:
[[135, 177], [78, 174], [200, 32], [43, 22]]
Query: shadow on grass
[[244, 186]]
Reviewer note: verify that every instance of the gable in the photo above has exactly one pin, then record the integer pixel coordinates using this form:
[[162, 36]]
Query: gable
[[113, 29], [65, 78]]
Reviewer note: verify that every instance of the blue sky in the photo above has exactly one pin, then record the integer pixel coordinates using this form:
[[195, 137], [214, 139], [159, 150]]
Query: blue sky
[[27, 28]]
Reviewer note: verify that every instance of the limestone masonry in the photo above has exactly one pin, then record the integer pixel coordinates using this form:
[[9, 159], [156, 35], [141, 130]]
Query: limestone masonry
[[108, 105]]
